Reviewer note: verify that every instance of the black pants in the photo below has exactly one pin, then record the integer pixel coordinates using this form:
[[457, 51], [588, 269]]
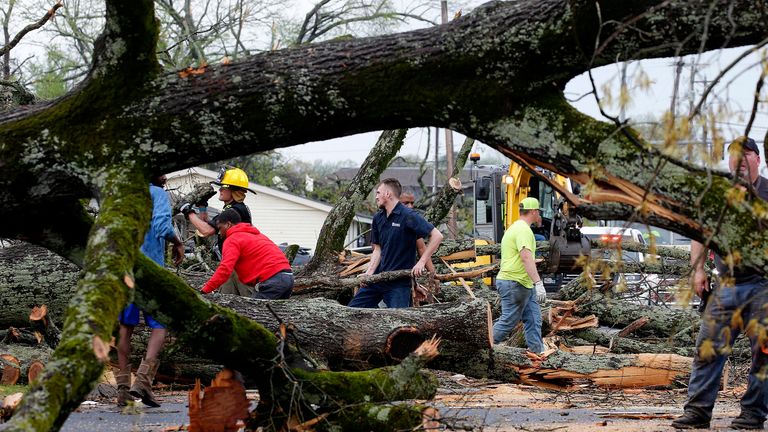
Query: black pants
[[277, 287]]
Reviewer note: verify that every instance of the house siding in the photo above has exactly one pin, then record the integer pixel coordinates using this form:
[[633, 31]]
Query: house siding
[[281, 217]]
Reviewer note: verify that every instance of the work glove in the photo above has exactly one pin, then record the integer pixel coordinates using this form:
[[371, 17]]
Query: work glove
[[541, 293], [186, 209]]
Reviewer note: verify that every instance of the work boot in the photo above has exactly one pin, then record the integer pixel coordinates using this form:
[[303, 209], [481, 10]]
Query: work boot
[[747, 420], [690, 420], [123, 378], [142, 386]]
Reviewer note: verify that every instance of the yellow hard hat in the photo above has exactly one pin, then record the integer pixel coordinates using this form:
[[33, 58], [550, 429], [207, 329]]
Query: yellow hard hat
[[233, 177]]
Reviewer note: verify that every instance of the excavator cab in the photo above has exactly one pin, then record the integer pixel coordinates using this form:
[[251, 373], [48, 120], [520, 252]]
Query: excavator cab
[[498, 193]]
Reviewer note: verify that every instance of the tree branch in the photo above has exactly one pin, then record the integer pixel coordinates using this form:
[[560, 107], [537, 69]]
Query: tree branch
[[34, 26]]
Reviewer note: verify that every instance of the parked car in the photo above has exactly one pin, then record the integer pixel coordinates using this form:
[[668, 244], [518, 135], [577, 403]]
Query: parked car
[[302, 256], [636, 287]]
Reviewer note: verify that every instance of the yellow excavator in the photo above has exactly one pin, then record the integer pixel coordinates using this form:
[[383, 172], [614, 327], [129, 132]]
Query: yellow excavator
[[498, 191]]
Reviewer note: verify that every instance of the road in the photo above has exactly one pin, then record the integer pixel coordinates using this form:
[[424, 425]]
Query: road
[[468, 405]]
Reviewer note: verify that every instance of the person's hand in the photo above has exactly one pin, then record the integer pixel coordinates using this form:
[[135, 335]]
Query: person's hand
[[186, 209], [178, 253], [541, 293], [362, 283], [699, 282], [418, 269]]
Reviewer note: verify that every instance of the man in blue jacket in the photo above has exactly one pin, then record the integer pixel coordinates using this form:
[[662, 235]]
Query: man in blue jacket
[[160, 230]]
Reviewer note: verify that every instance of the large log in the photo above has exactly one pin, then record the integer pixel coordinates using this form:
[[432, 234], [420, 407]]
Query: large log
[[678, 324], [562, 370], [32, 276], [360, 338]]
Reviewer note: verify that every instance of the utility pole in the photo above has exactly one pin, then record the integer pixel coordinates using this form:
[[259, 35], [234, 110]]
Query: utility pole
[[452, 228], [437, 161]]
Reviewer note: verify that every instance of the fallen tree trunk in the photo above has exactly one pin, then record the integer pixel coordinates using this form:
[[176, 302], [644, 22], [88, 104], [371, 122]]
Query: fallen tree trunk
[[31, 276], [361, 338], [625, 345], [562, 370], [679, 326]]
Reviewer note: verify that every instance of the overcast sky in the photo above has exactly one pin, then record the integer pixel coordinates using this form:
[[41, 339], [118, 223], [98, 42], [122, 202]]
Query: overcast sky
[[733, 96]]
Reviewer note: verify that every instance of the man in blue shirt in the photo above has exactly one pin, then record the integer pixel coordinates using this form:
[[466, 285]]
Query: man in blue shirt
[[160, 230], [394, 233]]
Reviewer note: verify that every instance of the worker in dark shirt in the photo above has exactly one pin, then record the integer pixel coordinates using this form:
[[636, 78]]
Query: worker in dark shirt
[[394, 233], [743, 292]]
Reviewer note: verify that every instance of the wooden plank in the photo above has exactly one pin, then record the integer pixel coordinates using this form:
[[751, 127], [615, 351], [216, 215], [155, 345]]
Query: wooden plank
[[355, 266], [469, 274], [464, 255], [463, 282]]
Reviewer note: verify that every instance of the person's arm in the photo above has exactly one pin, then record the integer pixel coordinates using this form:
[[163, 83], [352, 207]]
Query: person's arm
[[435, 237], [698, 274], [529, 262], [178, 251], [230, 255], [373, 264], [421, 247], [204, 228]]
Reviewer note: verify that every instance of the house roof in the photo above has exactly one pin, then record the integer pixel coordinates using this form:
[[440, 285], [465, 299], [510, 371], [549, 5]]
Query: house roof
[[261, 189]]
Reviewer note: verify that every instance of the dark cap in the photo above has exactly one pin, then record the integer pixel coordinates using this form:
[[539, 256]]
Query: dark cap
[[747, 143]]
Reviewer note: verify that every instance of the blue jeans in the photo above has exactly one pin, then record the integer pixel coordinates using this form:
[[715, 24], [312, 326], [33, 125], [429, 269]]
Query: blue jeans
[[276, 287], [518, 302], [395, 295], [707, 370]]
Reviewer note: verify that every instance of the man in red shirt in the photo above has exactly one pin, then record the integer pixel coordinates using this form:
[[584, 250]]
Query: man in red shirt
[[255, 258]]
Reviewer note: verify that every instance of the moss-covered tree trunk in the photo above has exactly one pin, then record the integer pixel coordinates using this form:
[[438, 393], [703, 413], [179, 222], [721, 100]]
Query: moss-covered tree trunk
[[496, 74]]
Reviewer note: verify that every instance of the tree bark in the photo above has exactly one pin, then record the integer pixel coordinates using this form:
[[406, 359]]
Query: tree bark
[[31, 276], [678, 325], [354, 338], [477, 75]]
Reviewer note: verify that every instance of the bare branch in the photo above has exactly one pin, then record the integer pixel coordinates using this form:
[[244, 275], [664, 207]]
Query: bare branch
[[34, 26]]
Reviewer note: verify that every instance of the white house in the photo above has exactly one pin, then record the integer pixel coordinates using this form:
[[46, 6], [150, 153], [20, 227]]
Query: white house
[[281, 216]]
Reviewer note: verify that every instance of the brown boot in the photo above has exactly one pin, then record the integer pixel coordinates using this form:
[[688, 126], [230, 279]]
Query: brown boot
[[142, 386], [123, 378]]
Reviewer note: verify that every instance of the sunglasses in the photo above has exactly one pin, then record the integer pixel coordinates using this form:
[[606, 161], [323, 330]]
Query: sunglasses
[[407, 202]]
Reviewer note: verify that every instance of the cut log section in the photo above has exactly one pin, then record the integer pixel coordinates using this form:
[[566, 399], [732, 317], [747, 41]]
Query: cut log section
[[8, 405], [34, 369], [18, 362], [220, 407], [359, 338], [41, 323], [11, 369]]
